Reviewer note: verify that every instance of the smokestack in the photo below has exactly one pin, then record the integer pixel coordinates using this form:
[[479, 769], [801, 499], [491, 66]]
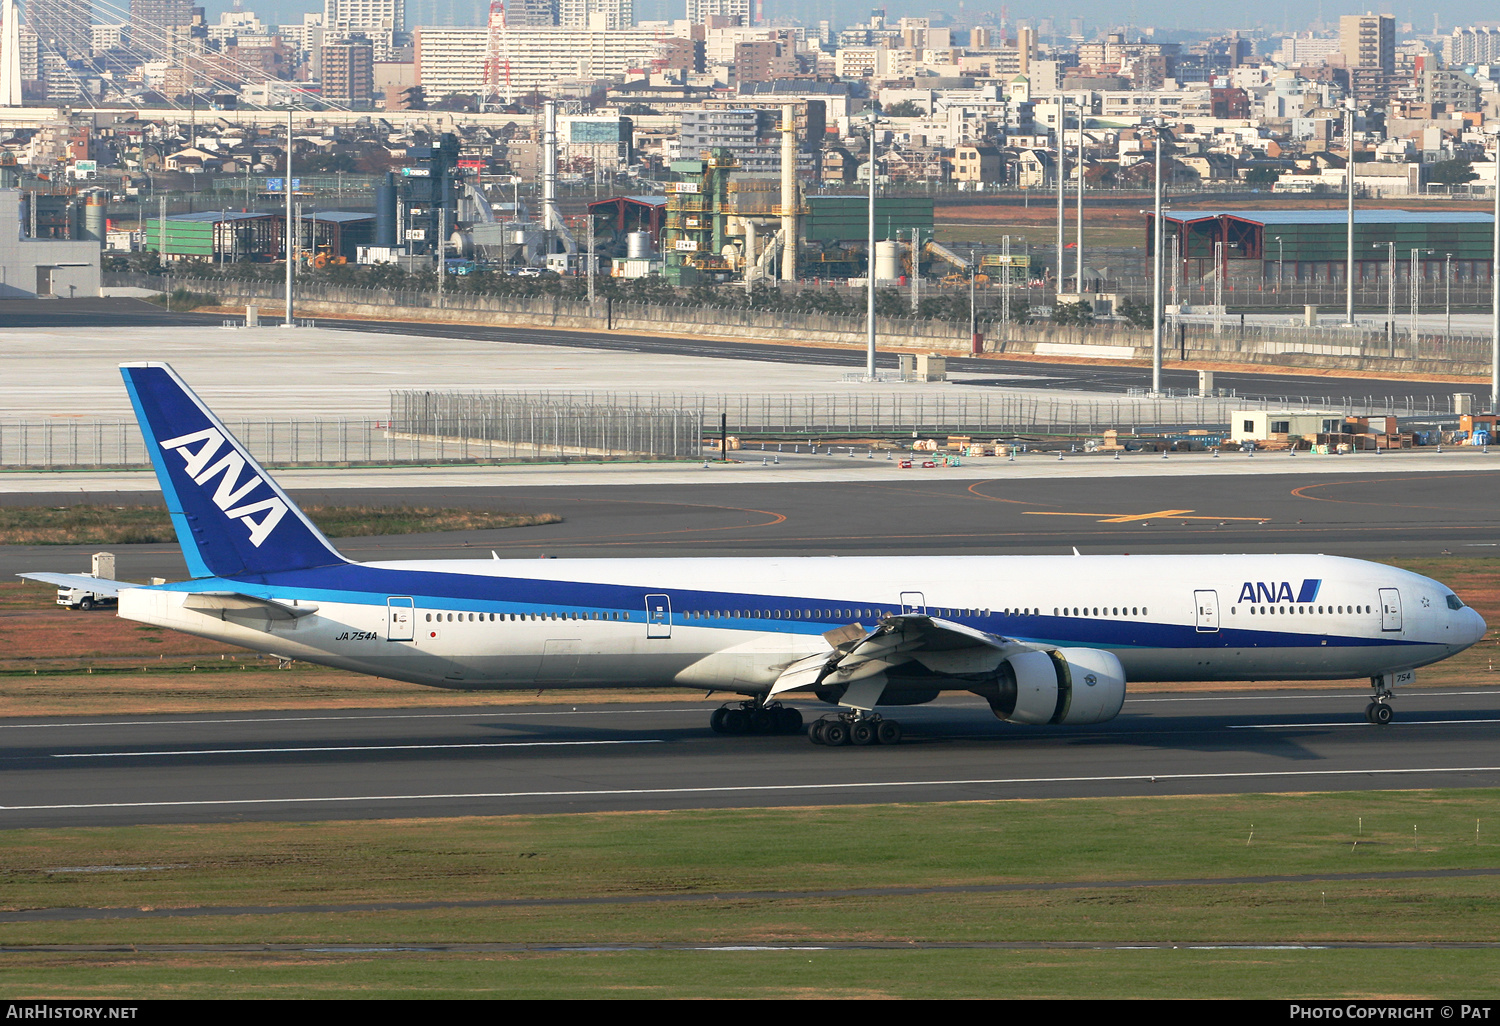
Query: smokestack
[[551, 218], [789, 193]]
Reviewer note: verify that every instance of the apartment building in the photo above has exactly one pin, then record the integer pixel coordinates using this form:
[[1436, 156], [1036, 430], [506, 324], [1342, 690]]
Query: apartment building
[[349, 73], [454, 60], [1367, 43]]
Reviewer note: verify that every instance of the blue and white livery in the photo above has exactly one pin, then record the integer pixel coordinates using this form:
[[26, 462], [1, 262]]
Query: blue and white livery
[[1044, 639]]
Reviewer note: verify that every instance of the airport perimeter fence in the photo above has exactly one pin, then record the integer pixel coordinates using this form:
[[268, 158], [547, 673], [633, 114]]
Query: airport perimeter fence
[[894, 414], [544, 432], [1197, 334]]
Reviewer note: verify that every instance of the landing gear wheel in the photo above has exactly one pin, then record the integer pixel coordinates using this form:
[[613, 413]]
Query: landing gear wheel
[[1382, 714], [815, 732], [788, 721], [836, 733], [862, 732], [888, 732], [762, 721], [717, 721], [1370, 712], [736, 721]]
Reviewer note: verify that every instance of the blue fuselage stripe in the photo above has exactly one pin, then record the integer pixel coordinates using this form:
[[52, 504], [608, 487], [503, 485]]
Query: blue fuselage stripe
[[454, 592]]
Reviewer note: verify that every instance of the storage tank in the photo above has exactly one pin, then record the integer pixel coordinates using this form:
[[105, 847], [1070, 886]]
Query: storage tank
[[638, 245], [887, 260], [95, 215], [385, 214]]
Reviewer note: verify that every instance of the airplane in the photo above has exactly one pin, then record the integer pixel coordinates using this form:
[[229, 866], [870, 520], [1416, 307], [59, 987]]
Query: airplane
[[1043, 639]]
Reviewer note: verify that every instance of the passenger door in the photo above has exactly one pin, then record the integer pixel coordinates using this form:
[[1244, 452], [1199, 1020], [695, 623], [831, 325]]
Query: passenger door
[[658, 616], [1207, 603], [400, 619], [1390, 609]]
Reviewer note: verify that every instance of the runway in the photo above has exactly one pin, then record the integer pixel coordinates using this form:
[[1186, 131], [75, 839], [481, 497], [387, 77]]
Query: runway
[[545, 759]]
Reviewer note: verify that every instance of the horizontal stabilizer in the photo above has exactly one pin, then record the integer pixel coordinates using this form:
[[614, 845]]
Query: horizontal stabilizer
[[97, 585], [233, 603]]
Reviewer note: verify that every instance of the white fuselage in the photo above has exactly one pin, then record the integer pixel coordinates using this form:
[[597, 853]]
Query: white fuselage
[[734, 624]]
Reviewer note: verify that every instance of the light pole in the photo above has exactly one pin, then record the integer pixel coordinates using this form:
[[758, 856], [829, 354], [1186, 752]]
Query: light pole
[[287, 184], [1062, 164], [1414, 283], [870, 264], [1079, 226], [1390, 294], [1349, 188], [916, 271], [1156, 296], [1447, 294], [973, 318], [1495, 297]]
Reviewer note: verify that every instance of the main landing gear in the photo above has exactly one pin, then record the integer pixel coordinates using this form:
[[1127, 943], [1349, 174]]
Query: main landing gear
[[852, 729], [752, 717]]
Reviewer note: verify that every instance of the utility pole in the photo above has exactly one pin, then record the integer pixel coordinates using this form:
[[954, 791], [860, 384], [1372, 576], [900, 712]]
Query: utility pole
[[591, 260]]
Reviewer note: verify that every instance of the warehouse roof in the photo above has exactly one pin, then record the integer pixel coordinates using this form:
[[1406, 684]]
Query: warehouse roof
[[1310, 217]]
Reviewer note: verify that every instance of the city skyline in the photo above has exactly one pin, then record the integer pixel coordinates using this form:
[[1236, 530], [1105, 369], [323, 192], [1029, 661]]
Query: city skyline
[[1098, 15]]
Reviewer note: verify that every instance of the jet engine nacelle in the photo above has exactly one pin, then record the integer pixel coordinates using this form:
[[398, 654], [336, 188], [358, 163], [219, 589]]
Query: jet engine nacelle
[[1066, 685]]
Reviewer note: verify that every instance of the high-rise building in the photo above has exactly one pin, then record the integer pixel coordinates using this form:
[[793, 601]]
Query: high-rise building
[[349, 73], [699, 11], [530, 13], [63, 26], [615, 14], [162, 28], [1368, 45], [1472, 45], [378, 21]]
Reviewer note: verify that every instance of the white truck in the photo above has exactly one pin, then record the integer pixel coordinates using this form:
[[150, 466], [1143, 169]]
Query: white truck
[[77, 593]]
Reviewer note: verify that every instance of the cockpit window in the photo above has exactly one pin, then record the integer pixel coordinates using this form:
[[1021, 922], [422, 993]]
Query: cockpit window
[[1454, 602]]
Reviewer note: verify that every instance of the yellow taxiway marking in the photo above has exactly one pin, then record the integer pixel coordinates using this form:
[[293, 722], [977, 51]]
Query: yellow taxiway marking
[[1125, 518]]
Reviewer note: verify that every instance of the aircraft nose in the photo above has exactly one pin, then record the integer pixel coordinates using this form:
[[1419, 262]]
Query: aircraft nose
[[1477, 627]]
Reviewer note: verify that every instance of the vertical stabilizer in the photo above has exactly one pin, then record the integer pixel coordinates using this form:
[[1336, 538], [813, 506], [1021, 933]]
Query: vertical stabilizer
[[231, 518]]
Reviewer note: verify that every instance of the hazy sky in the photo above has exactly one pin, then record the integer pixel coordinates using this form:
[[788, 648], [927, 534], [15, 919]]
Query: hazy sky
[[1273, 15]]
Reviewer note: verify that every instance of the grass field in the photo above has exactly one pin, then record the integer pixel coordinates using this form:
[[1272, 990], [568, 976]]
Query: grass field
[[1160, 873], [1129, 855]]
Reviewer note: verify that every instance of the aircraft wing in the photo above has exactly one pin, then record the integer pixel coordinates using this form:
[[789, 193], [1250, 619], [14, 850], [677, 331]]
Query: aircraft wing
[[942, 646], [97, 585], [233, 603]]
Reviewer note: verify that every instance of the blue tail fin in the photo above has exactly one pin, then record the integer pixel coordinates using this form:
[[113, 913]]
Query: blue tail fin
[[231, 518]]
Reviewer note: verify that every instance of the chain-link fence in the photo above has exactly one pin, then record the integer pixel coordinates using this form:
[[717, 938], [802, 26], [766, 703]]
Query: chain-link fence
[[538, 427], [851, 414], [551, 433]]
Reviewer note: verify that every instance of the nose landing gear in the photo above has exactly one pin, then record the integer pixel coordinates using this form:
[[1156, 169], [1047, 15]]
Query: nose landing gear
[[854, 729], [1379, 711], [755, 717]]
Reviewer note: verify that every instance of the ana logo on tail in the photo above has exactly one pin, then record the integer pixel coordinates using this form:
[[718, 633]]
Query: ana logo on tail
[[230, 493]]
